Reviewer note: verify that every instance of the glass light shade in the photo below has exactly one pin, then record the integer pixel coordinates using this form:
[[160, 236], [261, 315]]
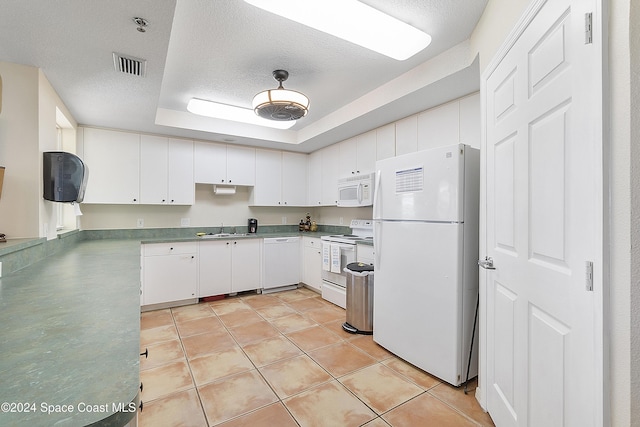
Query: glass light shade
[[229, 112], [281, 96], [353, 21]]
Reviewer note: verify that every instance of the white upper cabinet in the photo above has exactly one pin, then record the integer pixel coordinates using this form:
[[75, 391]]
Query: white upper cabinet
[[314, 178], [358, 154], [439, 126], [330, 173], [281, 179], [113, 159], [407, 135], [224, 164], [470, 120], [386, 141], [166, 171]]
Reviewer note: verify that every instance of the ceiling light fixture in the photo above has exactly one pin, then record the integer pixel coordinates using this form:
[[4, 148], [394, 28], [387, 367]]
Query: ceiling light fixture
[[355, 22], [280, 104], [230, 112]]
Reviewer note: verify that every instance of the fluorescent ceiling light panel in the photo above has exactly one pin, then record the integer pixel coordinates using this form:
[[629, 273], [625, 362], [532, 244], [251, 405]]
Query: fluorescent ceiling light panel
[[352, 21], [236, 114]]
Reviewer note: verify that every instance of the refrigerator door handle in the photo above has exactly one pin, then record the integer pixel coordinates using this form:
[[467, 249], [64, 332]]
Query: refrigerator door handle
[[376, 243], [376, 205]]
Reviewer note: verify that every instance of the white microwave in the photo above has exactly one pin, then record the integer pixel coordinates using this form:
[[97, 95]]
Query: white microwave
[[356, 190]]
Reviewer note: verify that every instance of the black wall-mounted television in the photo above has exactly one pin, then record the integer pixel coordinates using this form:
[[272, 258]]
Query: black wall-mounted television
[[64, 177]]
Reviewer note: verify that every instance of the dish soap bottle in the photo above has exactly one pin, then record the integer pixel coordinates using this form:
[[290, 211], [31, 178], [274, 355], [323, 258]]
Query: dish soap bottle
[[301, 225]]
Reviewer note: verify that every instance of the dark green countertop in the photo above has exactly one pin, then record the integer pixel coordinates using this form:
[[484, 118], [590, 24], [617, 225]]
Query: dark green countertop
[[69, 334]]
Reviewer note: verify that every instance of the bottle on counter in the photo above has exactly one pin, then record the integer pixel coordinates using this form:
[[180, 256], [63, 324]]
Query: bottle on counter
[[314, 226], [301, 225]]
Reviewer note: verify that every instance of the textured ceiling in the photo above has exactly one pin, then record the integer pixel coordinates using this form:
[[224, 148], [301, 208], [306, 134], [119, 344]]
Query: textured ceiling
[[224, 50]]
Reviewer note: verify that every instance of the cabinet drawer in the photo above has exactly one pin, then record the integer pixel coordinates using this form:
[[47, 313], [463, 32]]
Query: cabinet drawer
[[156, 249], [311, 242]]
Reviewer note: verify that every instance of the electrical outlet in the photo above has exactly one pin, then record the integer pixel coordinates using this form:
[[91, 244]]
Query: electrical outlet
[[185, 222], [284, 220], [140, 223]]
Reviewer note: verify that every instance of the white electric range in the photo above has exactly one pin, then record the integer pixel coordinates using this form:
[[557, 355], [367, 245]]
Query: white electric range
[[337, 252]]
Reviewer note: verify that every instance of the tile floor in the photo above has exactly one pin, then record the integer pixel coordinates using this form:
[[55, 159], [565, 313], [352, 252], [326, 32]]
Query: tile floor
[[282, 360]]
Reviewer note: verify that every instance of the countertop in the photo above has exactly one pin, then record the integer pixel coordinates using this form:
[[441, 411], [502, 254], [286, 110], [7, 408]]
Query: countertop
[[70, 334], [316, 234]]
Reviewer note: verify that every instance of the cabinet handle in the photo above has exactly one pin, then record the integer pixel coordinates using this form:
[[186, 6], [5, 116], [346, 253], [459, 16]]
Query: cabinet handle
[[172, 200], [145, 354], [141, 386], [222, 180], [235, 243], [135, 200], [227, 243], [193, 256], [229, 181], [141, 406], [170, 249]]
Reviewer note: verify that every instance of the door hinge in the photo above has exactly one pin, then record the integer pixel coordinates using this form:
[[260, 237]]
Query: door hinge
[[589, 275], [588, 28]]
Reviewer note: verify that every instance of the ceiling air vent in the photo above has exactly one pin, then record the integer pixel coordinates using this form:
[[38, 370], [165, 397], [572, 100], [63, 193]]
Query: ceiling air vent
[[129, 65]]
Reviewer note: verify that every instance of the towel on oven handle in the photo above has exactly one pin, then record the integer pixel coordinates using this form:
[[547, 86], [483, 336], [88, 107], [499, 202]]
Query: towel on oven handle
[[335, 259], [326, 256]]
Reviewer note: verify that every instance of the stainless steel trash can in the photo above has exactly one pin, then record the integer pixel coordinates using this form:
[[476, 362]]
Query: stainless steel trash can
[[359, 298]]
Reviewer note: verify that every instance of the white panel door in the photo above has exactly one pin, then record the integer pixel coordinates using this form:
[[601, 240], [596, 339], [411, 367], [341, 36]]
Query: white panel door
[[241, 165], [214, 268], [153, 169], [294, 179], [439, 126], [544, 354], [180, 183], [210, 163], [246, 265]]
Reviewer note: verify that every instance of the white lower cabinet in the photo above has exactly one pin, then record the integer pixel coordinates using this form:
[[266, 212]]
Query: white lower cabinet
[[228, 266], [169, 272], [312, 263]]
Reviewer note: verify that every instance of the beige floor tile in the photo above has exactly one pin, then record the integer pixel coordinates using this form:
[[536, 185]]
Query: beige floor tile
[[292, 376], [375, 350], [164, 380], [255, 331], [418, 376], [309, 292], [336, 327], [291, 295], [313, 338], [213, 366], [274, 415], [327, 314], [380, 387], [199, 326], [465, 403], [161, 354], [341, 359], [228, 305], [191, 312], [378, 422], [329, 404], [274, 311], [306, 304], [178, 409], [240, 317], [234, 396], [198, 345], [426, 411], [153, 319], [157, 335], [271, 350], [292, 323], [260, 301]]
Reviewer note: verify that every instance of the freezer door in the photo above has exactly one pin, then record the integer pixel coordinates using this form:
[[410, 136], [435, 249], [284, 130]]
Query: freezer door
[[418, 295], [426, 185]]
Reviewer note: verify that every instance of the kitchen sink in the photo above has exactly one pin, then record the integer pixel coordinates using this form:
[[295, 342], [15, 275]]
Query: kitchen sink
[[219, 235]]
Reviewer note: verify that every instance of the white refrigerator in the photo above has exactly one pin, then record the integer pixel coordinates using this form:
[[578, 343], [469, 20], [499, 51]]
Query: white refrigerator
[[425, 216]]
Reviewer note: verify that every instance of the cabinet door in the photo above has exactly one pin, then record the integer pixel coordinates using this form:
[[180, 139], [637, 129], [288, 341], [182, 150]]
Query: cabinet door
[[294, 179], [439, 126], [241, 165], [312, 264], [386, 141], [154, 157], [180, 184], [169, 278], [330, 173], [210, 163], [314, 178], [348, 157], [470, 120], [214, 271], [113, 159], [366, 153], [407, 135], [268, 188], [245, 265]]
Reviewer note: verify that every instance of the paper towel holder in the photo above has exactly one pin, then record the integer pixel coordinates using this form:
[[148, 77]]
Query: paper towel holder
[[224, 189]]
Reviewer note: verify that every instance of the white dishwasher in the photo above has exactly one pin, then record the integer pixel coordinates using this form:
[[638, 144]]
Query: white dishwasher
[[281, 263]]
